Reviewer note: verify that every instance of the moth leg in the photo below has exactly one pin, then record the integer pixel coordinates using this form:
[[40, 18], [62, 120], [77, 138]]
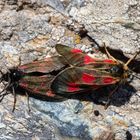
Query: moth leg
[[13, 91], [107, 52], [109, 97], [1, 97], [28, 104]]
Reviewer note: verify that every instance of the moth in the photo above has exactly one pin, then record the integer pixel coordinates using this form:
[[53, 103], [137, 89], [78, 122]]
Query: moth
[[86, 73], [70, 72], [35, 77]]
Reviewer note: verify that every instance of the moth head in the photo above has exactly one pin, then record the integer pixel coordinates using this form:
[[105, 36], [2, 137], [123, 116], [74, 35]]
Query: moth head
[[7, 79]]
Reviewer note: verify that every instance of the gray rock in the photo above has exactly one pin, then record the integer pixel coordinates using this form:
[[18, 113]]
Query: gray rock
[[29, 30]]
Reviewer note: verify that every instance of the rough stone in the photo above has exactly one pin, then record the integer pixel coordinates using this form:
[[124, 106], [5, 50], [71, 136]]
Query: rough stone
[[29, 30]]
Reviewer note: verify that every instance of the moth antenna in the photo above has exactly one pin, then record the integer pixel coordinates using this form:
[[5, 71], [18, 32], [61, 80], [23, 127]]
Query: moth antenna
[[107, 52], [1, 80], [131, 72], [7, 85], [138, 95], [137, 77], [5, 88], [1, 76], [3, 95], [1, 72], [4, 91], [127, 63]]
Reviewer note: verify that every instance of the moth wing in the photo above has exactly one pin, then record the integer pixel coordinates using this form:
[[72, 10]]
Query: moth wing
[[78, 79], [76, 57], [45, 65], [39, 85]]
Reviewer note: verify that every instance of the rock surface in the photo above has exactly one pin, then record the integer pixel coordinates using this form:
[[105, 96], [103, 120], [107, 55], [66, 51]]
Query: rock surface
[[29, 29]]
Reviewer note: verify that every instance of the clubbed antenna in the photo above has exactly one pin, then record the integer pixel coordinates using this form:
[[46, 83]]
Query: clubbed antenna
[[6, 85], [127, 63], [107, 52]]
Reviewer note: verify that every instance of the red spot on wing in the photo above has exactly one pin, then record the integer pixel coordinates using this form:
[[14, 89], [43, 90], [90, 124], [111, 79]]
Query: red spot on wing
[[88, 59], [108, 80], [36, 90], [42, 64], [50, 93], [72, 84], [72, 87], [23, 84], [108, 61], [43, 84], [88, 78], [76, 51], [23, 67]]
